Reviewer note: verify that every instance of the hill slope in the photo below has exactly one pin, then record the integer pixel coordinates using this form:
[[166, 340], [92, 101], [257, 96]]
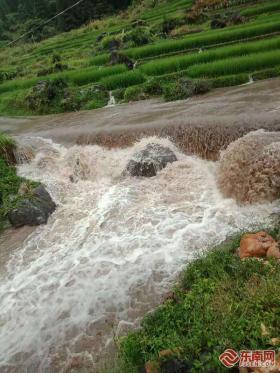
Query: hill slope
[[142, 52]]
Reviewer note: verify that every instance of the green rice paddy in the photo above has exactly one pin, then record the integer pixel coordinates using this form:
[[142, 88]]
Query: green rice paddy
[[224, 56]]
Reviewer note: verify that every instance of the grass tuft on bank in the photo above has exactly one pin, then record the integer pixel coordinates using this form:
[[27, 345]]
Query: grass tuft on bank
[[10, 182], [221, 302]]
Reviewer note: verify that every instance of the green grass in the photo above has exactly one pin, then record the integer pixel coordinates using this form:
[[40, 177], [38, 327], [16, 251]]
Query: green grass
[[178, 63], [76, 77], [7, 147], [221, 302], [200, 40], [9, 180], [89, 75], [204, 39], [175, 58], [123, 80], [235, 65], [268, 7]]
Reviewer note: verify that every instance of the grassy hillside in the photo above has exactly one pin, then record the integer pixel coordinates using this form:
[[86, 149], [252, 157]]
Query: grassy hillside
[[220, 302], [178, 48]]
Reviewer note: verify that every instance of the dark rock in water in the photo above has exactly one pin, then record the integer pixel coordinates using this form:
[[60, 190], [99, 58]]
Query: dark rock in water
[[33, 210], [150, 160]]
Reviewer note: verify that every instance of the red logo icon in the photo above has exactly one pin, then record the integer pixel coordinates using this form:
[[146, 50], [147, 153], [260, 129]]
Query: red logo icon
[[229, 358]]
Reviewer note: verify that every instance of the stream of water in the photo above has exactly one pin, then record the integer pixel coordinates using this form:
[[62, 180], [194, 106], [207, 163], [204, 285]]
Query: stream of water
[[113, 247]]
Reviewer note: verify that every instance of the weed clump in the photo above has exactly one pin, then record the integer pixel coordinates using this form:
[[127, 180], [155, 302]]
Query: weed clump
[[134, 93], [153, 87], [185, 88], [138, 36], [45, 94]]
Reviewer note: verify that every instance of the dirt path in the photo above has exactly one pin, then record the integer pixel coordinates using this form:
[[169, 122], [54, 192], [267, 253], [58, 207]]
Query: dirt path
[[256, 104]]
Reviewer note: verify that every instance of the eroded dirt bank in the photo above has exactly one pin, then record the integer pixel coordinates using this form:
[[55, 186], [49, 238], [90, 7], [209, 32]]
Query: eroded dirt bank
[[201, 125]]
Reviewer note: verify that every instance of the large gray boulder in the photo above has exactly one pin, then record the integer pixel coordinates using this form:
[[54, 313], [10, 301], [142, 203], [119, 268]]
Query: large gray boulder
[[150, 160], [33, 210]]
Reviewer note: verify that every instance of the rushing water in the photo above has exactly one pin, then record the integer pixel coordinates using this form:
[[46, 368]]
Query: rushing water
[[109, 252]]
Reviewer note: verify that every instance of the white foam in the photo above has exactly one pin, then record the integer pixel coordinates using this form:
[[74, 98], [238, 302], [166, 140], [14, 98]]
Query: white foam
[[113, 246]]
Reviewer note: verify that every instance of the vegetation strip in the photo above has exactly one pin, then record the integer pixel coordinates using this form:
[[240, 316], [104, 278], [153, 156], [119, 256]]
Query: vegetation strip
[[213, 308]]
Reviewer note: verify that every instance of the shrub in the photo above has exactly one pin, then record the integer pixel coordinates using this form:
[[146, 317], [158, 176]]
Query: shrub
[[185, 88], [153, 87], [169, 24], [138, 36], [44, 94], [111, 42], [201, 86], [218, 21], [7, 75], [93, 97], [134, 93], [182, 89]]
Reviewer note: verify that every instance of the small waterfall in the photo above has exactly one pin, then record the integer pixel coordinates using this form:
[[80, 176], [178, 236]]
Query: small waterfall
[[250, 81], [112, 101]]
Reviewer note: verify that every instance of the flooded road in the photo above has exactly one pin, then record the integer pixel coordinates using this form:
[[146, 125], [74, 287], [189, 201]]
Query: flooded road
[[254, 105]]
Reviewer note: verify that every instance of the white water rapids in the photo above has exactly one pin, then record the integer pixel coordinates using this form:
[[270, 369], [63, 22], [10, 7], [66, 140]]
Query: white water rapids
[[113, 247]]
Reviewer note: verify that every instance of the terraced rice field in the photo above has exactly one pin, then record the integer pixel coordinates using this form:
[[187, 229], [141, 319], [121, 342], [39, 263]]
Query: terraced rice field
[[225, 56]]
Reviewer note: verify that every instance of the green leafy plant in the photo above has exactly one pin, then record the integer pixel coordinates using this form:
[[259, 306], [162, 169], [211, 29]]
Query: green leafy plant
[[221, 302], [134, 93]]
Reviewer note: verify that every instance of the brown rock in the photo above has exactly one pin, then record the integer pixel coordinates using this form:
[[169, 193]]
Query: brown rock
[[152, 367], [258, 245]]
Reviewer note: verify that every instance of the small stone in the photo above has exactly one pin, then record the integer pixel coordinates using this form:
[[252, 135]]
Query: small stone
[[257, 245], [152, 367]]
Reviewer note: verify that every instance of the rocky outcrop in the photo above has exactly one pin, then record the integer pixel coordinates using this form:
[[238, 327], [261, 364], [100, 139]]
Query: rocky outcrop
[[150, 160], [258, 245], [33, 210], [117, 58]]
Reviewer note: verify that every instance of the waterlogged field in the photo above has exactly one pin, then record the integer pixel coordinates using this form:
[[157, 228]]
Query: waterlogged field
[[225, 56]]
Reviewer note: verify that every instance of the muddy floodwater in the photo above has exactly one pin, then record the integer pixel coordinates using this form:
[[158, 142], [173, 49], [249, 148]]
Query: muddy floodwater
[[116, 244], [253, 105]]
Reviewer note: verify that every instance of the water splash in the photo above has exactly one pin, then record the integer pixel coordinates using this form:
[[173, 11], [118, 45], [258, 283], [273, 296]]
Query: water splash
[[109, 252], [249, 169]]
